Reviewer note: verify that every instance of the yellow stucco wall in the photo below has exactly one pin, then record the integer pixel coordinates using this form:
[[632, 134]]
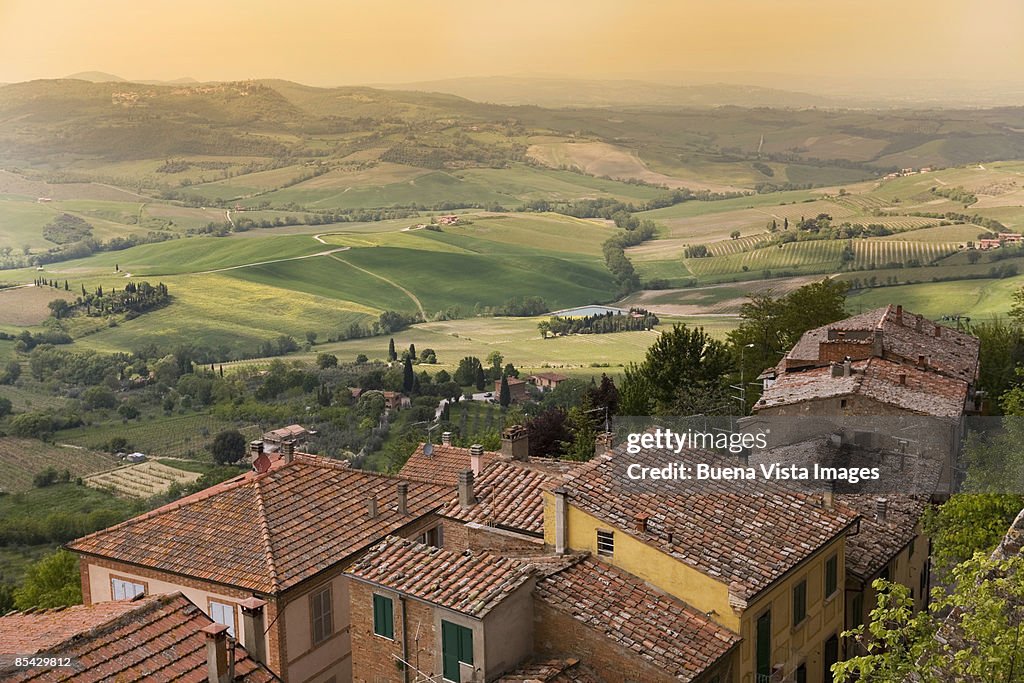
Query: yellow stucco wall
[[790, 646]]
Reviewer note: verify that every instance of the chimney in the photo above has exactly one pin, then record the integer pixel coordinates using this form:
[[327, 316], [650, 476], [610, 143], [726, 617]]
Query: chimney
[[847, 367], [878, 343], [604, 442], [881, 510], [938, 331], [253, 628], [899, 315], [403, 497], [216, 653], [828, 496], [446, 438], [837, 369], [640, 522], [371, 507], [255, 449], [476, 458], [903, 379], [515, 443], [918, 322], [288, 450], [466, 497], [561, 520], [922, 362]]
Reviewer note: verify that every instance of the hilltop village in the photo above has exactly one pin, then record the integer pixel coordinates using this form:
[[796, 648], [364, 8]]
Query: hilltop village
[[503, 565]]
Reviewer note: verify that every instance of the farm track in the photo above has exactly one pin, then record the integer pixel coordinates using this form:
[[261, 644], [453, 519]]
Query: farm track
[[329, 252], [394, 284]]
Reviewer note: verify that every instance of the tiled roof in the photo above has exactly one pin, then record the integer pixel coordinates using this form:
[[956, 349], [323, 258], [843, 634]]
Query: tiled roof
[[442, 465], [952, 353], [267, 532], [741, 533], [878, 542], [157, 638], [471, 583], [923, 392], [655, 627], [551, 376], [509, 494], [569, 670]]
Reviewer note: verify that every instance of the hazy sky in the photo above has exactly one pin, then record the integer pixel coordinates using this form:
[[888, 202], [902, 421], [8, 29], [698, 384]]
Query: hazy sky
[[336, 42]]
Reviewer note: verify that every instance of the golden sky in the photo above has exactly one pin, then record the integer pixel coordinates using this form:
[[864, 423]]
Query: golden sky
[[338, 42]]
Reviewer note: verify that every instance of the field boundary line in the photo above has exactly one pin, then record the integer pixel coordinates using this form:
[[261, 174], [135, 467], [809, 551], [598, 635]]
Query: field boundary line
[[409, 294], [264, 263]]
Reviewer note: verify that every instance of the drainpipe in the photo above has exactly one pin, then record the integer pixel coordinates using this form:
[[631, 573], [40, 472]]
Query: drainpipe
[[405, 643]]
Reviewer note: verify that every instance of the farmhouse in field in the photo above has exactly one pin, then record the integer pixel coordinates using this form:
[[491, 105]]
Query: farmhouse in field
[[545, 381], [986, 243], [296, 434], [283, 534], [517, 389], [156, 638], [448, 219]]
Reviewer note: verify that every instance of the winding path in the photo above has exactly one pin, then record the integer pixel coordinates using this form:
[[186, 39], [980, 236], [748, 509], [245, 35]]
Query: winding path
[[394, 284], [329, 252]]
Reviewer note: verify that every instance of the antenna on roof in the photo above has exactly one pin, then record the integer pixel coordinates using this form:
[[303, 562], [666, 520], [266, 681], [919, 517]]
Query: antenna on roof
[[428, 448]]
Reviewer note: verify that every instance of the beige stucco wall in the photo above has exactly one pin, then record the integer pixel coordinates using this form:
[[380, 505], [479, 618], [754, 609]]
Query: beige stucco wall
[[332, 657]]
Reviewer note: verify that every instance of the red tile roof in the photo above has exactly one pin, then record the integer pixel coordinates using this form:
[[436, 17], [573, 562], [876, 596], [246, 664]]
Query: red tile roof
[[156, 638], [471, 583], [442, 465], [921, 392], [952, 353], [267, 532], [741, 533], [509, 495], [569, 670], [877, 542], [655, 627]]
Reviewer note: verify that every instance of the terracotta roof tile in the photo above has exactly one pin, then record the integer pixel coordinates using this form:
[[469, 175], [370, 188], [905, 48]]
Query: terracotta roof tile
[[157, 638], [877, 542], [737, 532], [658, 628], [509, 494], [569, 670], [471, 583], [919, 391], [442, 465], [269, 531]]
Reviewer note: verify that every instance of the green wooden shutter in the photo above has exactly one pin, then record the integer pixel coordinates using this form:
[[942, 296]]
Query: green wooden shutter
[[456, 646], [383, 616]]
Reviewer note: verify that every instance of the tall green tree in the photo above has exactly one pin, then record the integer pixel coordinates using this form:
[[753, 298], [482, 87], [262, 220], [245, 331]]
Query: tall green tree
[[479, 380], [504, 395], [228, 447], [392, 354], [53, 581], [685, 372], [408, 377]]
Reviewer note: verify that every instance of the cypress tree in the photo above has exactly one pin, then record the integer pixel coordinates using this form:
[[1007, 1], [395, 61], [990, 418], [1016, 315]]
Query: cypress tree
[[391, 350], [408, 377], [479, 378], [505, 395], [412, 351]]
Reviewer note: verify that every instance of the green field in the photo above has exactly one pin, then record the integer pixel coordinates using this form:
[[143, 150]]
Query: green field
[[22, 459], [183, 436]]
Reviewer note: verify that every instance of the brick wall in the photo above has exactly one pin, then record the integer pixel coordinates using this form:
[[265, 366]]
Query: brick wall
[[373, 657], [459, 537], [839, 349], [558, 634]]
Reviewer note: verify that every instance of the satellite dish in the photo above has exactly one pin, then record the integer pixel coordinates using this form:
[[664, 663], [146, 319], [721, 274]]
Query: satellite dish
[[428, 448]]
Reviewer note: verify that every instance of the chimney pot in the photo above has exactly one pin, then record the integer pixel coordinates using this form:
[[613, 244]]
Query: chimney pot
[[216, 653], [918, 323], [878, 343], [288, 450], [561, 520], [515, 443], [938, 331], [899, 314], [446, 438], [922, 362], [403, 497], [847, 367], [881, 509], [253, 627], [903, 378], [837, 370], [640, 522], [476, 458], [466, 497], [255, 448], [371, 507]]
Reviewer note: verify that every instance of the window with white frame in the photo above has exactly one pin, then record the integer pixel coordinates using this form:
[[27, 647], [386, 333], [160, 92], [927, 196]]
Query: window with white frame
[[223, 613], [120, 589], [605, 542]]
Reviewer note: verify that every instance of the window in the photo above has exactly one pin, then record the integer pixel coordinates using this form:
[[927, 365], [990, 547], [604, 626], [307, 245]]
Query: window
[[842, 403], [323, 618], [831, 575], [910, 550], [857, 610], [763, 651], [223, 613], [801, 674], [383, 616], [799, 602], [922, 583], [456, 646], [121, 589], [831, 656], [605, 543], [432, 537], [885, 573]]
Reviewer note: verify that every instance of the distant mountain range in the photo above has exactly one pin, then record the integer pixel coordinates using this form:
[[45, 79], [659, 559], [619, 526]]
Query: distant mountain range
[[103, 77]]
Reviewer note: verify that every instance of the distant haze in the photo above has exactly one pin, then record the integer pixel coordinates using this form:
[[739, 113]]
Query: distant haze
[[846, 48]]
